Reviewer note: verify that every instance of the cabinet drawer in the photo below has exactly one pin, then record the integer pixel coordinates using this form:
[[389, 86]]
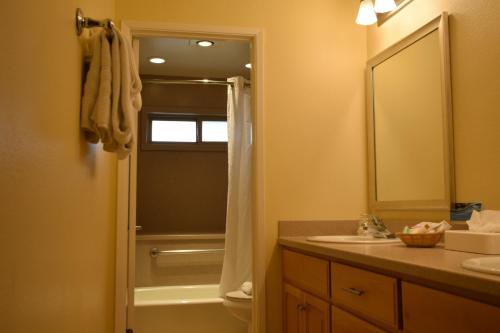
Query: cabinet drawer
[[344, 322], [308, 273], [365, 293], [428, 310]]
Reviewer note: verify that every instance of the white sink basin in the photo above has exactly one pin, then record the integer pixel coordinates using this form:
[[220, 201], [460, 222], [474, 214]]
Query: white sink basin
[[488, 265], [352, 239]]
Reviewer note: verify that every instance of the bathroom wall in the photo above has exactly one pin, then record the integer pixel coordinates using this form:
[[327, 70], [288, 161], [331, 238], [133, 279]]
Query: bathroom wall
[[57, 193], [182, 192], [314, 137], [178, 269], [475, 51]]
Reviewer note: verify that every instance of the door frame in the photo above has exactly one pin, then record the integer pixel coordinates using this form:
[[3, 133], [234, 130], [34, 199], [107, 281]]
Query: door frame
[[127, 173]]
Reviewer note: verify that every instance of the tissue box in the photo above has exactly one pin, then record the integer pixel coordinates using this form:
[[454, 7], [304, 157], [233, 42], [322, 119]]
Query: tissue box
[[475, 242]]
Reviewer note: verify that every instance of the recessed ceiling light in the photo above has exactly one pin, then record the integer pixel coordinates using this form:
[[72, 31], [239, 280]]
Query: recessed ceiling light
[[249, 65], [156, 60], [205, 43]]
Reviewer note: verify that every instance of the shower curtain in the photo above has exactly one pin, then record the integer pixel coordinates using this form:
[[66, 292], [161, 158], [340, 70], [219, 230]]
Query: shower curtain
[[237, 266]]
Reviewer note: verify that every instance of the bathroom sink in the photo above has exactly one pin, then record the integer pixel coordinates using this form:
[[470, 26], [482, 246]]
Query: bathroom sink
[[352, 239], [488, 265]]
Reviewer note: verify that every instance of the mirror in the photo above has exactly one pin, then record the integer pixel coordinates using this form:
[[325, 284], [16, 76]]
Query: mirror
[[409, 122]]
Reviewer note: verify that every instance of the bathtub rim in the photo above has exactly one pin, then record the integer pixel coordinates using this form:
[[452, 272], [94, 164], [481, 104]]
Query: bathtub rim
[[177, 301]]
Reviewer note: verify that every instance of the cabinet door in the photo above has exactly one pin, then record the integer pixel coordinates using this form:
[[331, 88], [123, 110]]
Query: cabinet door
[[316, 315], [292, 305], [432, 311], [344, 322]]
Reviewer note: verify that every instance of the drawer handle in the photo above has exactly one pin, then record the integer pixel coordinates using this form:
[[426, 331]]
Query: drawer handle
[[301, 307], [353, 291]]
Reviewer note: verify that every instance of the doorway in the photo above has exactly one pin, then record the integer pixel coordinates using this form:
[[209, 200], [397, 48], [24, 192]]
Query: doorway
[[127, 170]]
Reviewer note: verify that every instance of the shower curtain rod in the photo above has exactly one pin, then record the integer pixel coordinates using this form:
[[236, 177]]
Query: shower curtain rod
[[204, 81]]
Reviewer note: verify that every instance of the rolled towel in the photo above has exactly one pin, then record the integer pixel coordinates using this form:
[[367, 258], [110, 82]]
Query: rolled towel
[[246, 287]]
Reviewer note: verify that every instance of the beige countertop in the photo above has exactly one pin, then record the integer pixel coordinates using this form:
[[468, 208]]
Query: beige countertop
[[431, 266]]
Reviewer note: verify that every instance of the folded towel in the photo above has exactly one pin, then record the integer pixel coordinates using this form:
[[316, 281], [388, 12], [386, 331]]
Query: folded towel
[[246, 287], [484, 221], [91, 90], [101, 115], [111, 94], [126, 95]]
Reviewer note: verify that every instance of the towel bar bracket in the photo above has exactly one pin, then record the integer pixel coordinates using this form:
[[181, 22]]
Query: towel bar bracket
[[83, 22]]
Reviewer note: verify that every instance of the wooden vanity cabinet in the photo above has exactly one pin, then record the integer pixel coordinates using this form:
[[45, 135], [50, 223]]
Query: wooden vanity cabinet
[[328, 297], [433, 311], [304, 313]]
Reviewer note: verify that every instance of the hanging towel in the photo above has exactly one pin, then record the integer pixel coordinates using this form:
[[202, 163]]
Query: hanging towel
[[111, 94], [91, 90], [126, 93], [100, 115]]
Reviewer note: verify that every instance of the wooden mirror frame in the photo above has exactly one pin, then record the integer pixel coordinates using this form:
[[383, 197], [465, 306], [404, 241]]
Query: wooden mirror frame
[[441, 25]]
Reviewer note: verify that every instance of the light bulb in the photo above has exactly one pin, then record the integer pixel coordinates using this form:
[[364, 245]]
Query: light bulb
[[384, 6], [205, 43], [366, 14], [156, 60], [249, 65]]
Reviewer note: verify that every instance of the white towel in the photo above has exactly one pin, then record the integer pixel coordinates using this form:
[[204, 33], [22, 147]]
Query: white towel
[[247, 288], [91, 90], [111, 94], [101, 115], [126, 95]]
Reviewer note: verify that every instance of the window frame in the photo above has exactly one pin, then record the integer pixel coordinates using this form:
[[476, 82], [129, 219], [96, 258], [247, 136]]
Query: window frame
[[148, 144]]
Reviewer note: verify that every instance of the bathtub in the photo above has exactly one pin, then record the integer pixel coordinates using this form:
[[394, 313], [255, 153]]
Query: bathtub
[[183, 309]]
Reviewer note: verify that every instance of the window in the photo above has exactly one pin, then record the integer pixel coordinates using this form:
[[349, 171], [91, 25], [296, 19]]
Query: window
[[213, 131], [173, 131], [167, 131]]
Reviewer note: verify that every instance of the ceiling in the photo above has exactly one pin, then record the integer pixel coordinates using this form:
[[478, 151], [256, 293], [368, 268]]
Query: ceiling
[[185, 58]]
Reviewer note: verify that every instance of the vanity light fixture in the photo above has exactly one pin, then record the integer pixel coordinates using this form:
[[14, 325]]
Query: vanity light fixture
[[384, 6], [205, 43], [249, 66], [366, 13], [156, 60]]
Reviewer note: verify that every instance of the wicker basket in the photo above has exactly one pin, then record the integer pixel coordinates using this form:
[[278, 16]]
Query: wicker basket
[[421, 240]]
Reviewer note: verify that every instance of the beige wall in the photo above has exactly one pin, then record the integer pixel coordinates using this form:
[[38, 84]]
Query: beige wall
[[57, 193], [475, 53], [314, 58]]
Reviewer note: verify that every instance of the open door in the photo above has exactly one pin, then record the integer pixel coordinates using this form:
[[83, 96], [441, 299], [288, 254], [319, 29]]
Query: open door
[[126, 229]]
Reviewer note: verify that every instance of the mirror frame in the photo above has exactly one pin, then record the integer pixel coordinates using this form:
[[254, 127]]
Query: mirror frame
[[441, 25]]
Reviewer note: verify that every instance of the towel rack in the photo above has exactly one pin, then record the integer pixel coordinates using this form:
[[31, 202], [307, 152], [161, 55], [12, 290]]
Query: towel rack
[[83, 22], [155, 252]]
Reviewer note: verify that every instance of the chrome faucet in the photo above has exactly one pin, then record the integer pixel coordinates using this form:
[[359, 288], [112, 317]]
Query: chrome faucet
[[372, 225]]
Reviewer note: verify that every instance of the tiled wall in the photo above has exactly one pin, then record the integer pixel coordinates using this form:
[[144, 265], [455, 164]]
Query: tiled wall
[[179, 269]]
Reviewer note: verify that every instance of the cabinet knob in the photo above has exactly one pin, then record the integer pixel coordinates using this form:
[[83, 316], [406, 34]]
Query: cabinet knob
[[353, 291], [302, 307]]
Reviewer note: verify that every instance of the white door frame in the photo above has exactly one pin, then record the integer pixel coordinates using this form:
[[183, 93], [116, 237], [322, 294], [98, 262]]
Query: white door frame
[[127, 173]]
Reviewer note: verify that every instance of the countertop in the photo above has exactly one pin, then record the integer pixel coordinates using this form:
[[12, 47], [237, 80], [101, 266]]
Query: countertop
[[431, 266]]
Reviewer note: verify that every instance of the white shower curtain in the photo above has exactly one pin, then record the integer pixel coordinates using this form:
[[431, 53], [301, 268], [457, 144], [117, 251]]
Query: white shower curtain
[[237, 267]]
